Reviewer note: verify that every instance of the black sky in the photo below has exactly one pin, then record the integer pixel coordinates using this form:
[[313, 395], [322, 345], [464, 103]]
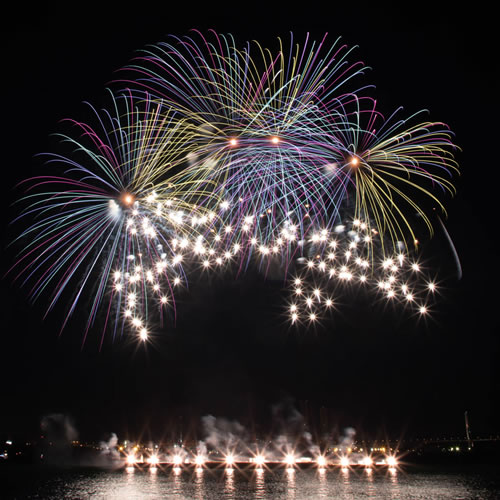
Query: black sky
[[373, 369]]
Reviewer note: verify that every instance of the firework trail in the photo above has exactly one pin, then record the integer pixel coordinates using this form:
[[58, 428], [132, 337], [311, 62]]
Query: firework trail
[[453, 249]]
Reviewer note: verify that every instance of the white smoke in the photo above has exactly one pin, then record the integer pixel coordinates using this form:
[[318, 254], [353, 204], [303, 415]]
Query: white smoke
[[59, 429], [109, 447], [312, 448], [222, 434], [347, 440]]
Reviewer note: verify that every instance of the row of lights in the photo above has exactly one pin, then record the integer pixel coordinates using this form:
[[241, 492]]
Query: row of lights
[[259, 460]]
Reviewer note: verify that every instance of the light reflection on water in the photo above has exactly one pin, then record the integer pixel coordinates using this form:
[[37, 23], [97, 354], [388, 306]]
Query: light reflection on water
[[393, 477], [323, 485], [229, 483], [258, 484], [291, 482]]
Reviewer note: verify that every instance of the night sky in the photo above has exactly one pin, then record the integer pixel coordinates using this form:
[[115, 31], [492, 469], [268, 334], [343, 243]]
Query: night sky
[[231, 354]]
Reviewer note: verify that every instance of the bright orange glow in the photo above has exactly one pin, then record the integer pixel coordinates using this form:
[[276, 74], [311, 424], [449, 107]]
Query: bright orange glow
[[275, 139], [127, 199], [354, 161], [233, 142]]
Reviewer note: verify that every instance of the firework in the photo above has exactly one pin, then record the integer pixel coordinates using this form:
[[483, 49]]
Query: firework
[[397, 167], [354, 256], [278, 136], [220, 87], [219, 157], [106, 223], [261, 128]]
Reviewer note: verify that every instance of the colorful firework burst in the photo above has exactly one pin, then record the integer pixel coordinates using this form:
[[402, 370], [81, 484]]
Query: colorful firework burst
[[218, 158], [259, 127], [109, 216]]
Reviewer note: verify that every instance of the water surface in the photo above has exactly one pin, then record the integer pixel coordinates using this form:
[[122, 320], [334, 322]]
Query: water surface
[[472, 482]]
